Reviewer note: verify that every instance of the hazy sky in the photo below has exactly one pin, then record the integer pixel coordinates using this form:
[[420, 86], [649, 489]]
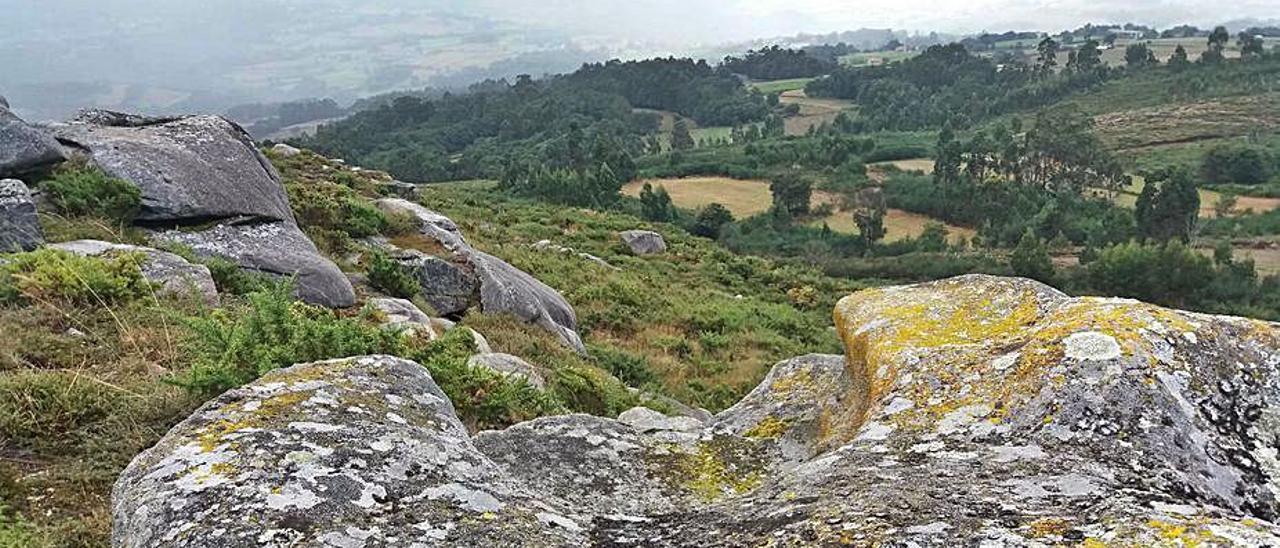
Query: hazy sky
[[706, 20], [183, 54]]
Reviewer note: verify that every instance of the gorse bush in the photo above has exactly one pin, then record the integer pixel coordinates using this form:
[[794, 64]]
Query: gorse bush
[[390, 276], [484, 398], [83, 191], [53, 275], [232, 347]]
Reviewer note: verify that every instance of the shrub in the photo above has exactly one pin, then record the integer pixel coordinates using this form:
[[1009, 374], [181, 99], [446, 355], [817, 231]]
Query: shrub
[[627, 367], [83, 191], [53, 275], [1243, 164], [391, 277], [230, 278], [484, 398], [231, 347]]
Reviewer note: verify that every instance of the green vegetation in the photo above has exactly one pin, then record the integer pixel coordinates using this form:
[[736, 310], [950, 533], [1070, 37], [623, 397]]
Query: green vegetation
[[777, 63], [52, 276], [79, 190], [387, 275]]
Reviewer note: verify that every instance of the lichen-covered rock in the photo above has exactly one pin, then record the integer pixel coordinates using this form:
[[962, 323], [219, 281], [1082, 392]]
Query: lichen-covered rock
[[404, 315], [19, 224], [355, 452], [795, 404], [465, 276], [643, 242], [171, 273], [190, 169], [507, 364], [975, 411], [993, 411], [25, 148], [277, 249]]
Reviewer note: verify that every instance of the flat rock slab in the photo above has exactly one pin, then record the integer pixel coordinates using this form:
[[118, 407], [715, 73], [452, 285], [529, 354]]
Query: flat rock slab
[[190, 169], [173, 274], [277, 249], [19, 223]]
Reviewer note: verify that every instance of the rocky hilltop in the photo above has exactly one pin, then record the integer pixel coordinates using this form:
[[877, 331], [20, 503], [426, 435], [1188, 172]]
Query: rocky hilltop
[[970, 411], [974, 410]]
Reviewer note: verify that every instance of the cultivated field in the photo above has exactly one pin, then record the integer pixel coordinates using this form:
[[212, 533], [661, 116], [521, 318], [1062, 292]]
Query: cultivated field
[[779, 86], [813, 111], [871, 58], [1188, 122], [750, 197]]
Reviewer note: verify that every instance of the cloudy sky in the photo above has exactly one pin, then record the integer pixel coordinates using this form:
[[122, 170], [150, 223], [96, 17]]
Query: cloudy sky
[[706, 20], [177, 55]]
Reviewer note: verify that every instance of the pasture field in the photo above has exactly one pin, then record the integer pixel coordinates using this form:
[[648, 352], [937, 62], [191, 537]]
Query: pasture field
[[869, 58], [1189, 122], [778, 86], [751, 197], [814, 111], [923, 165], [741, 196]]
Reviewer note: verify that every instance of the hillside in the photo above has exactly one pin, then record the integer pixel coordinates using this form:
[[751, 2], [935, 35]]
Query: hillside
[[956, 299], [105, 362]]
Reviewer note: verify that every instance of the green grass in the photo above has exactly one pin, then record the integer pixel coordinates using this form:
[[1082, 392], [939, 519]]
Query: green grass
[[866, 58], [680, 312], [779, 86]]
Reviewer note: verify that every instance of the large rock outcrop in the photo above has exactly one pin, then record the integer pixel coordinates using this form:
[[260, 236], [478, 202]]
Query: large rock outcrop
[[24, 148], [976, 411], [194, 168], [19, 223], [204, 175], [454, 276]]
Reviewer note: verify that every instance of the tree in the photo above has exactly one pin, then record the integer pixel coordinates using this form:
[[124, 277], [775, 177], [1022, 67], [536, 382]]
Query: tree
[[1250, 44], [656, 205], [1179, 61], [710, 220], [681, 139], [1137, 56], [1046, 56], [1085, 59], [791, 194], [1031, 258], [1168, 207], [870, 224], [933, 237], [1243, 164], [946, 165], [1217, 42]]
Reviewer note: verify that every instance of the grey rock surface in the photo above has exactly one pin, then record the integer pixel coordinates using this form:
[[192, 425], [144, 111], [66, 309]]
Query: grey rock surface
[[190, 169], [173, 274], [404, 315], [643, 242], [450, 288], [975, 411], [355, 452], [275, 248], [507, 364], [19, 223], [25, 148], [285, 150], [460, 276]]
